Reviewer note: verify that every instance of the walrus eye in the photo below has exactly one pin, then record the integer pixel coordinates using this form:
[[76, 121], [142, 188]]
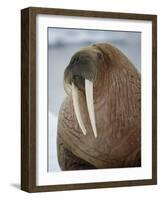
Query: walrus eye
[[99, 55]]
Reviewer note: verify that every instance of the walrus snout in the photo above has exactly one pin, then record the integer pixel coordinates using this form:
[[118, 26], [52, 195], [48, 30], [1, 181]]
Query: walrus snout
[[81, 67]]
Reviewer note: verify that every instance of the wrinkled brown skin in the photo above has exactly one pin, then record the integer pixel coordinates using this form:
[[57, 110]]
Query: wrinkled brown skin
[[117, 103]]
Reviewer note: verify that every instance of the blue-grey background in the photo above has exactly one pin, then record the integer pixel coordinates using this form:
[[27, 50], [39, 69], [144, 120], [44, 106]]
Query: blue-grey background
[[62, 44]]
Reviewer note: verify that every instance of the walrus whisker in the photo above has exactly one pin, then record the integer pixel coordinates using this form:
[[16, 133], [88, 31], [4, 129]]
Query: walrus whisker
[[76, 105], [90, 104]]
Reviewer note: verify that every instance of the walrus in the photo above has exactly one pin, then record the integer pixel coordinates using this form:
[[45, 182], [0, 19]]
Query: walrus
[[99, 124]]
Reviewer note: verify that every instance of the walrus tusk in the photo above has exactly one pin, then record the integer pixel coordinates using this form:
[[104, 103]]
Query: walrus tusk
[[90, 104], [75, 97]]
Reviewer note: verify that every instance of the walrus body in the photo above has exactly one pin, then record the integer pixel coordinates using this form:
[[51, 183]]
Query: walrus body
[[117, 107]]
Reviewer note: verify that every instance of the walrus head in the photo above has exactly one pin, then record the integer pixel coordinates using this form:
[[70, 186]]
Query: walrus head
[[81, 75], [86, 71]]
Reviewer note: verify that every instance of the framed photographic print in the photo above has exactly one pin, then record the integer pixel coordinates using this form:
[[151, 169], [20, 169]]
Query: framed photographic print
[[88, 99]]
